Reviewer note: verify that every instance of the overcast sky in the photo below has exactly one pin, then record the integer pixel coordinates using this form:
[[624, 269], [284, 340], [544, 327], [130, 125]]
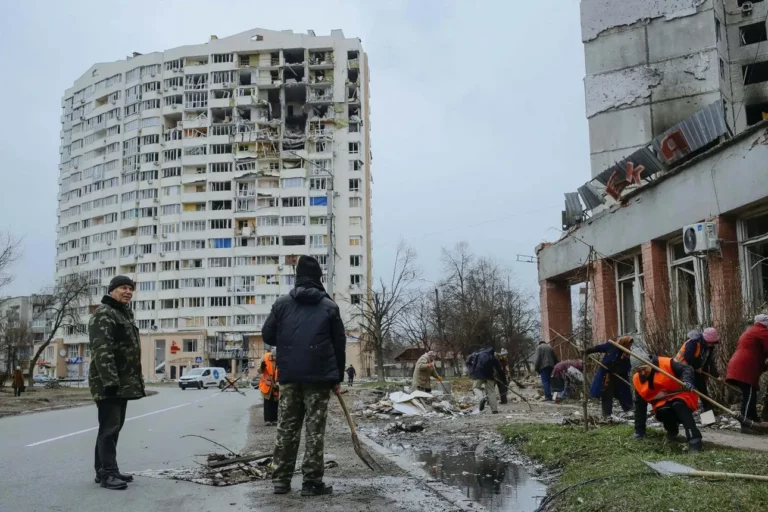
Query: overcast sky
[[478, 124]]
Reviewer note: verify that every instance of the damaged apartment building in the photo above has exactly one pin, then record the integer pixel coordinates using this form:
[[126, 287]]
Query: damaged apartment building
[[203, 172], [673, 223]]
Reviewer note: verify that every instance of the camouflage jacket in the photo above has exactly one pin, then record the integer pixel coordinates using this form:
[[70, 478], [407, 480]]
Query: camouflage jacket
[[115, 351]]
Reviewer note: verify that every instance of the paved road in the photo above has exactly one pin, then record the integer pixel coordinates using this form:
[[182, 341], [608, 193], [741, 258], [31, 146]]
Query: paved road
[[46, 461]]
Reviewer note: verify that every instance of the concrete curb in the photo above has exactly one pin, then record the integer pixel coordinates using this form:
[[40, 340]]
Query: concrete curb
[[446, 492], [56, 407]]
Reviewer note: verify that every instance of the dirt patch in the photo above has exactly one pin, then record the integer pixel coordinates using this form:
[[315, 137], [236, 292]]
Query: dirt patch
[[355, 487], [42, 399]]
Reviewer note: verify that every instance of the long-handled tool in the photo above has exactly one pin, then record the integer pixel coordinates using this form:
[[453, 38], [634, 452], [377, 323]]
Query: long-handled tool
[[364, 455], [521, 397], [762, 427], [722, 381], [445, 390], [593, 359], [670, 468]]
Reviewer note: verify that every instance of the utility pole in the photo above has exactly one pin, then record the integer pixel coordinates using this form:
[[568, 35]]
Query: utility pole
[[584, 343]]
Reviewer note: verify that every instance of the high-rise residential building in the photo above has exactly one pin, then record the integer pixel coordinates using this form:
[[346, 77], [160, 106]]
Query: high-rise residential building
[[204, 171], [650, 65]]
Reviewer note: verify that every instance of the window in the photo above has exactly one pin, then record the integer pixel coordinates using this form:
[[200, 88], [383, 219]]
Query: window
[[220, 243], [220, 186], [355, 202], [355, 165], [192, 245], [755, 73], [355, 241], [740, 3], [291, 182], [169, 284], [170, 209], [169, 303], [318, 183], [74, 351], [355, 221], [166, 266], [354, 148], [189, 345], [753, 234], [354, 185], [268, 220], [318, 221], [222, 57], [294, 220], [192, 225], [170, 172], [756, 113], [293, 202], [169, 323], [146, 286], [753, 33], [318, 201], [355, 261], [219, 302], [192, 282], [355, 298], [318, 241], [220, 166], [722, 69], [221, 223], [355, 279], [294, 240], [268, 240], [689, 288], [354, 127], [219, 262], [193, 302], [630, 287]]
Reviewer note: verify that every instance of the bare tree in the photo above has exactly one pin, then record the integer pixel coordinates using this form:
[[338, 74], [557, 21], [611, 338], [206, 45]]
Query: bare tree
[[15, 340], [416, 325], [9, 253], [380, 308], [61, 308]]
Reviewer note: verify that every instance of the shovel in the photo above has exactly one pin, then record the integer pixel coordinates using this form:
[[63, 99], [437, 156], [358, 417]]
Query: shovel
[[761, 427], [670, 468], [364, 455]]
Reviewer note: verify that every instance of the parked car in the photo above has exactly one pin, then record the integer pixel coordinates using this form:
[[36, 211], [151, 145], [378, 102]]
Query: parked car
[[203, 378], [41, 379]]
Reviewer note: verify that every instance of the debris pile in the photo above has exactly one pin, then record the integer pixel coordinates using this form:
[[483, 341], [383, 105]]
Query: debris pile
[[417, 403], [223, 470], [399, 426]]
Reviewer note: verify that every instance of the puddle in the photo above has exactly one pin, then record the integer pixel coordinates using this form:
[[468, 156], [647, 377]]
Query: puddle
[[497, 485]]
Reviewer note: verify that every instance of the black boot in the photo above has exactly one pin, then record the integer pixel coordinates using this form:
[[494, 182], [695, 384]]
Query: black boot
[[120, 476], [694, 445], [281, 488], [315, 489], [482, 403], [113, 482]]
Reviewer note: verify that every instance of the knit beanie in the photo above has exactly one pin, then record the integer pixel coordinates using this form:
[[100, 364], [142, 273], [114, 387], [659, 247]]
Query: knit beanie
[[711, 335], [118, 281], [762, 319], [309, 267]]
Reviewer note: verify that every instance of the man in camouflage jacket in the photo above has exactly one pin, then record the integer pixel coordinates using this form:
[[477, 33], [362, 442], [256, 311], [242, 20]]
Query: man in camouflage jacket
[[114, 375]]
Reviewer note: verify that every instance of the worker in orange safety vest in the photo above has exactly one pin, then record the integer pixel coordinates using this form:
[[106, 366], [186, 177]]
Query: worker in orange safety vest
[[671, 403], [268, 386]]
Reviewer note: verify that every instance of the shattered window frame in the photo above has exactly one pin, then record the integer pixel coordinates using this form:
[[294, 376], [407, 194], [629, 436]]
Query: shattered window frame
[[629, 279], [694, 310], [753, 262]]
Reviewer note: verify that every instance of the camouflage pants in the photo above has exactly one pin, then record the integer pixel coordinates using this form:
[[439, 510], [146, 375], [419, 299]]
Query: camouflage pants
[[297, 403]]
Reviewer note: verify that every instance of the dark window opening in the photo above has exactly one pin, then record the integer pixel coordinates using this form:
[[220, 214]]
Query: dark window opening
[[221, 205], [756, 113], [718, 28], [352, 55], [244, 78], [293, 75], [754, 33], [294, 240], [353, 75], [273, 98], [294, 56], [742, 2], [755, 73], [221, 115], [244, 114]]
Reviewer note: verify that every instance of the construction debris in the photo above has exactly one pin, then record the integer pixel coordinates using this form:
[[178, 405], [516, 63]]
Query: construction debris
[[417, 403], [400, 426]]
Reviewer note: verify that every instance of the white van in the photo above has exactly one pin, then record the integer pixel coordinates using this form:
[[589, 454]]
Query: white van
[[203, 378]]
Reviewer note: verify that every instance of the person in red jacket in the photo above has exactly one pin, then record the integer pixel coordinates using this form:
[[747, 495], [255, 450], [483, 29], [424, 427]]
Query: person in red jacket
[[746, 365]]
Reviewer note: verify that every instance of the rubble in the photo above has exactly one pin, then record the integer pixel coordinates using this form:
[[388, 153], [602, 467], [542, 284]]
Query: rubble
[[218, 475], [400, 426], [417, 403]]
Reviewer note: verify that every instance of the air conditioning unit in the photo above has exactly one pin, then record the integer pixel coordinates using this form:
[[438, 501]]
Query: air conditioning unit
[[747, 8], [279, 267], [109, 242], [150, 181], [162, 254], [162, 144], [156, 163], [157, 199], [700, 237], [154, 217], [174, 106], [164, 235]]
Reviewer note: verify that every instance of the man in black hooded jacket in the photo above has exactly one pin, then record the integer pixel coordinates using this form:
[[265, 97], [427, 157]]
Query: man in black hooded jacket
[[307, 329]]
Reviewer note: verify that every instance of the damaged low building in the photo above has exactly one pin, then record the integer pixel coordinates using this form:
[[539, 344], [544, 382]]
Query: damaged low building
[[673, 224]]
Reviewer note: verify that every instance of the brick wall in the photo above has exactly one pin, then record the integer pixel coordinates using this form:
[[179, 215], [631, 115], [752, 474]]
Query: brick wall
[[656, 279], [555, 313], [605, 319], [724, 277]]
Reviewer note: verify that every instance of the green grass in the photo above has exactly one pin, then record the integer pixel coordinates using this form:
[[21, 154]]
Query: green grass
[[611, 452]]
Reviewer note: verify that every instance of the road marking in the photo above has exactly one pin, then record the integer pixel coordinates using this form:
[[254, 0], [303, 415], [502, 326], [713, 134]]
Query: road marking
[[96, 428]]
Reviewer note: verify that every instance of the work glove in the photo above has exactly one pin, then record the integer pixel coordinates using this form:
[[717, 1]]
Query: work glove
[[688, 386], [439, 379], [110, 391]]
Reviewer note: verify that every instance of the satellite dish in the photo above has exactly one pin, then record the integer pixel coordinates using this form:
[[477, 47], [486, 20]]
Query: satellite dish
[[689, 240], [63, 353]]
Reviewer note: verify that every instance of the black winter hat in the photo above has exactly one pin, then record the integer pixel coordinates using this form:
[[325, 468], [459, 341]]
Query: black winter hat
[[308, 266], [120, 281]]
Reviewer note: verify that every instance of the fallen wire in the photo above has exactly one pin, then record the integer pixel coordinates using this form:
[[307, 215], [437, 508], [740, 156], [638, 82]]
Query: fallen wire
[[550, 499], [210, 440]]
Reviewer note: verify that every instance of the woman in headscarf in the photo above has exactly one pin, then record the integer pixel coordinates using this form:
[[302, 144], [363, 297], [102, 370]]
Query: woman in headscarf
[[747, 364], [605, 385], [17, 381]]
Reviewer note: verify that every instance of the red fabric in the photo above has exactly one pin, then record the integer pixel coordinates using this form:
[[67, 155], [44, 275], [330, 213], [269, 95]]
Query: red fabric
[[748, 362]]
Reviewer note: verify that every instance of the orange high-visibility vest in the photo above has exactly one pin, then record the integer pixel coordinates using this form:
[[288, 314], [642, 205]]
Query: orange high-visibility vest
[[680, 357], [664, 389], [268, 380]]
